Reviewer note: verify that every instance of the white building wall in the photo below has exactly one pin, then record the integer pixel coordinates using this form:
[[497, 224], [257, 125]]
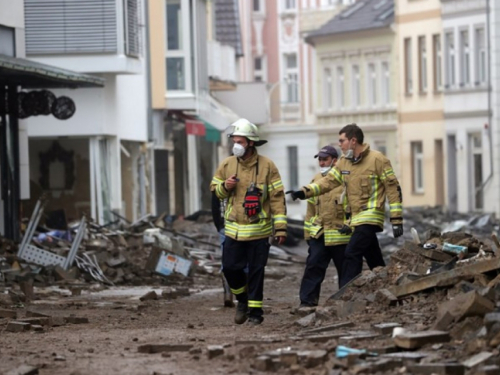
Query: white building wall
[[494, 196]]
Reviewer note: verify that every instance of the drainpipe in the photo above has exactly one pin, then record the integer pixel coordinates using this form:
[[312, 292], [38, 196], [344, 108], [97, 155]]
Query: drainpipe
[[490, 115]]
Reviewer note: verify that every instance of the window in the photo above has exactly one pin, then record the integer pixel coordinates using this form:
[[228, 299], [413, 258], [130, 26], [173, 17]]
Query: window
[[7, 42], [256, 6], [293, 167], [178, 65], [356, 88], [340, 87], [258, 69], [372, 84], [327, 89], [480, 57], [380, 145], [408, 73], [437, 62], [386, 83], [464, 58], [418, 167], [292, 78], [476, 170], [450, 60], [290, 4], [422, 64]]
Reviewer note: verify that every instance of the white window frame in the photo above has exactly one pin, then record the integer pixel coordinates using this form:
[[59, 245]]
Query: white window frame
[[379, 144], [385, 82], [464, 36], [327, 89], [437, 62], [422, 64], [340, 86], [407, 45], [291, 93], [289, 5], [481, 74], [475, 150], [185, 51], [450, 59], [356, 86], [417, 166], [371, 83]]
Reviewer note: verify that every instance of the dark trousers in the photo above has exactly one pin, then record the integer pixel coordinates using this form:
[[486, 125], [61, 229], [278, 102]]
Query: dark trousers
[[237, 255], [363, 243], [318, 259]]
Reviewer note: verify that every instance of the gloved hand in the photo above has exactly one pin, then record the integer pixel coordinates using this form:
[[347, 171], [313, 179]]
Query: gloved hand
[[397, 230], [252, 205], [298, 194], [346, 230]]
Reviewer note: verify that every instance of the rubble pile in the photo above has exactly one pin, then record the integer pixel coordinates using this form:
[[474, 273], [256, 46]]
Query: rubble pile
[[434, 309]]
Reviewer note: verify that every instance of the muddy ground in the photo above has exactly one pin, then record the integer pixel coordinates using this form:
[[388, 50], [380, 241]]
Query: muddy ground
[[119, 323]]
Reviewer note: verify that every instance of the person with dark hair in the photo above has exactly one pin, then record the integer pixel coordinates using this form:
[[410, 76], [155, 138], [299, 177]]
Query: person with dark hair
[[368, 180], [325, 216], [255, 211]]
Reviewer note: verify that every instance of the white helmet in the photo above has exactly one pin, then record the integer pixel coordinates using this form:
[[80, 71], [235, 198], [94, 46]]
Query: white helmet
[[244, 128]]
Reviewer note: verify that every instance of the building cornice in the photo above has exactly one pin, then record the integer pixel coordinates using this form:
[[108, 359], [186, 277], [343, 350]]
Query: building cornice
[[467, 114]]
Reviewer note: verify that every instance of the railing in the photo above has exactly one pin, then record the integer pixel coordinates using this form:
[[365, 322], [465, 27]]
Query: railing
[[221, 61]]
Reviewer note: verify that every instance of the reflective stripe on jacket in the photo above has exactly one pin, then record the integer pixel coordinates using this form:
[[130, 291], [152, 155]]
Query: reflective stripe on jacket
[[368, 182], [263, 172], [325, 215]]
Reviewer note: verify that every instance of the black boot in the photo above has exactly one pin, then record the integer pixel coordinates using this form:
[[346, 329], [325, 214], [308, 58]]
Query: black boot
[[228, 296], [241, 313]]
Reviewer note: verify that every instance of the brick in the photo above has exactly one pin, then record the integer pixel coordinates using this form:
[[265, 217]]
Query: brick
[[18, 327], [6, 313], [477, 359], [162, 348], [414, 340], [214, 351], [263, 363], [385, 328], [149, 296], [437, 369], [27, 289], [466, 304], [23, 370], [384, 296], [76, 320], [313, 358], [37, 328]]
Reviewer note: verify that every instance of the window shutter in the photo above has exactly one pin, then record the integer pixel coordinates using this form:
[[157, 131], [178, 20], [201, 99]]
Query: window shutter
[[132, 27], [70, 26]]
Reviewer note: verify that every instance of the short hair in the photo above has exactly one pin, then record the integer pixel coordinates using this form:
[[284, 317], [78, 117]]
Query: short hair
[[353, 131]]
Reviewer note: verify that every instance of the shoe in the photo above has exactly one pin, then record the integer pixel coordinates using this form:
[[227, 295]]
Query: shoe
[[228, 296], [255, 320], [241, 313], [303, 308]]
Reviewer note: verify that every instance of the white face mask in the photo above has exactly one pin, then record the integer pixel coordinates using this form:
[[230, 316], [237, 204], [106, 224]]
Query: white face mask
[[238, 150], [349, 154], [325, 170]]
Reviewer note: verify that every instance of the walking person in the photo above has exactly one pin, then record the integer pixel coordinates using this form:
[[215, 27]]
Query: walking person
[[369, 180], [325, 216], [255, 211]]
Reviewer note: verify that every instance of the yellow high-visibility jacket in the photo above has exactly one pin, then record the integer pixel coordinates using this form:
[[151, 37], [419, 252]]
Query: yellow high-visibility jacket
[[368, 181], [263, 172], [325, 215]]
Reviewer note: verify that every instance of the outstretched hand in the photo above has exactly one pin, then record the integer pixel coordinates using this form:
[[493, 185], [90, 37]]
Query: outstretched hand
[[296, 194], [397, 230]]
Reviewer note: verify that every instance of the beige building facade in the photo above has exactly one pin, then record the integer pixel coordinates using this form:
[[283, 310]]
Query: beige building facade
[[421, 119]]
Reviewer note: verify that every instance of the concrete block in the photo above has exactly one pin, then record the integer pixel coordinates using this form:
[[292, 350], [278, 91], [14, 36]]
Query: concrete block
[[37, 321], [263, 363], [437, 369], [76, 320], [149, 296], [384, 296], [37, 328], [9, 314], [214, 351], [385, 328], [488, 370], [34, 314], [329, 327], [306, 321], [23, 370], [466, 304], [349, 308], [414, 340], [17, 327], [477, 359], [313, 358]]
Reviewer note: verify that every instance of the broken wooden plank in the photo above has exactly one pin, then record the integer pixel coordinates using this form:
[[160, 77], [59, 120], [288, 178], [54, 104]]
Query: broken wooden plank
[[445, 278]]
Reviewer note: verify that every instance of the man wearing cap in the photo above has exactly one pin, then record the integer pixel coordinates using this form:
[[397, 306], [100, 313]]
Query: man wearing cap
[[255, 211], [369, 181], [325, 216]]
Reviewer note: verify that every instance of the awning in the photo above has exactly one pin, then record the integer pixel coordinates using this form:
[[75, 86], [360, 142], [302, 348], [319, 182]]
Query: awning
[[212, 134], [30, 74]]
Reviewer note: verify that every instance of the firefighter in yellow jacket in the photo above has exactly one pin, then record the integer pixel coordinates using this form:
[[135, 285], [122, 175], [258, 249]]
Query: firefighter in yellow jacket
[[325, 216], [369, 180], [255, 211]]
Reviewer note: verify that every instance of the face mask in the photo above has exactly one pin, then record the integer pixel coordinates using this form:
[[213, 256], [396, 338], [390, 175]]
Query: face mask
[[238, 150], [349, 154], [325, 170]]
